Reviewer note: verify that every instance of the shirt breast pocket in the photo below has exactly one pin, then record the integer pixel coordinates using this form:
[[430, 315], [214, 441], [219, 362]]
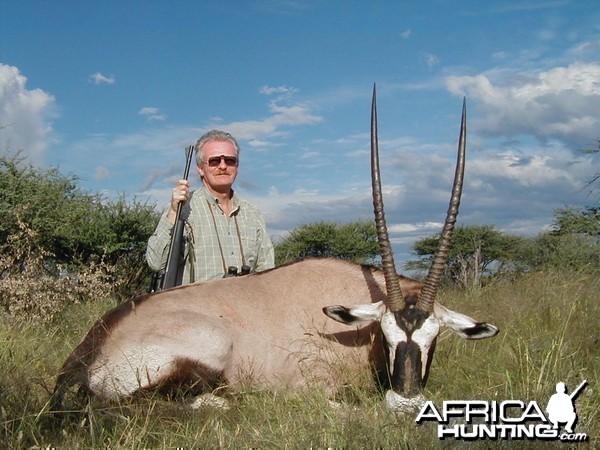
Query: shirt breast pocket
[[250, 243]]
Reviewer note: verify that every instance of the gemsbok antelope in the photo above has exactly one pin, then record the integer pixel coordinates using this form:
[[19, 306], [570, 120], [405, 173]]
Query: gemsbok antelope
[[269, 328]]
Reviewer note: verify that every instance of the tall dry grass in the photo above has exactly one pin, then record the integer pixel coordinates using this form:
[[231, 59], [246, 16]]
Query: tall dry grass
[[549, 333]]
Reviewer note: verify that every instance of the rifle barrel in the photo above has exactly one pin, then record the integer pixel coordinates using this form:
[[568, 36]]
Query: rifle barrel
[[577, 389], [173, 276]]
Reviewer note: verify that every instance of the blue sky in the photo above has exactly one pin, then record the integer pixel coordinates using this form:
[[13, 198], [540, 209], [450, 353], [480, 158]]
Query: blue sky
[[113, 92]]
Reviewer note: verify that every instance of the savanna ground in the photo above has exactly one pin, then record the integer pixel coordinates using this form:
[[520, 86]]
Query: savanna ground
[[549, 333]]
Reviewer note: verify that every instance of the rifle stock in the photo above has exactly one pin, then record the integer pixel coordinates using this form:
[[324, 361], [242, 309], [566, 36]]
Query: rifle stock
[[174, 270]]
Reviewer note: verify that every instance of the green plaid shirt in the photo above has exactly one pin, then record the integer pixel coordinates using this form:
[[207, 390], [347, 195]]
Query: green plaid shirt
[[209, 250]]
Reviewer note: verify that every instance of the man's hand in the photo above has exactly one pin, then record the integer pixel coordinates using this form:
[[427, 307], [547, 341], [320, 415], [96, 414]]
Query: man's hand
[[181, 193]]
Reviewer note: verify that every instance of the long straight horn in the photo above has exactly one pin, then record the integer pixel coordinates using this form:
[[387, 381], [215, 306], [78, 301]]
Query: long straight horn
[[392, 285], [432, 282]]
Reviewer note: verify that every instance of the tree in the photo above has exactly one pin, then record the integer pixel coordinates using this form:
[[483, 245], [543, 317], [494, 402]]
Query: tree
[[476, 250], [573, 243], [70, 226], [594, 182], [575, 252], [578, 221], [355, 241], [45, 201]]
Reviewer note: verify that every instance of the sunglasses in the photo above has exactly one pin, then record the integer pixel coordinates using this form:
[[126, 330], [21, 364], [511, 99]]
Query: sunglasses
[[214, 161]]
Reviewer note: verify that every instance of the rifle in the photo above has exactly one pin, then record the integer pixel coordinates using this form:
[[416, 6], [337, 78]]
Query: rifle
[[173, 274], [577, 390]]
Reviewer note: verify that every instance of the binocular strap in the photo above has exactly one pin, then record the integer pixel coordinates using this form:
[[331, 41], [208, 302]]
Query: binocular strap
[[237, 228]]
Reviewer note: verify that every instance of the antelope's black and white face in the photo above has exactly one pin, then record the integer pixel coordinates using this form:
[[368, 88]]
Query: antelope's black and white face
[[410, 337]]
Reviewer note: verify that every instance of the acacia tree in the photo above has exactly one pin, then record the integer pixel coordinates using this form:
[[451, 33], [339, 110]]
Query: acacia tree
[[584, 221], [573, 243], [574, 239], [354, 241], [476, 250]]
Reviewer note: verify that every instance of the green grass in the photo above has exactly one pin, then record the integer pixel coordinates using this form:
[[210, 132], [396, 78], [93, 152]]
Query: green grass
[[549, 333]]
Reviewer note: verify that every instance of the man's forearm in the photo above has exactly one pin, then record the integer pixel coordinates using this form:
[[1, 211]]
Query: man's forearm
[[158, 244]]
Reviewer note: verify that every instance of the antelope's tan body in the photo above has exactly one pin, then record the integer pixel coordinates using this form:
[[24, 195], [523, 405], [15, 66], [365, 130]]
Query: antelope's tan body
[[266, 328]]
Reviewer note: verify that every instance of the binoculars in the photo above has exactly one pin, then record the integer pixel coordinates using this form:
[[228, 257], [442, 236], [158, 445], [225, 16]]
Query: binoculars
[[232, 271]]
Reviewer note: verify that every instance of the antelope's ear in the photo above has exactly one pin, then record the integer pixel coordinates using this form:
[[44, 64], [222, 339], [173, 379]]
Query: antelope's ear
[[356, 314], [465, 326]]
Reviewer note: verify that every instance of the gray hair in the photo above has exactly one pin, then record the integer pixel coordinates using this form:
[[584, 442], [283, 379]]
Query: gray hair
[[214, 135]]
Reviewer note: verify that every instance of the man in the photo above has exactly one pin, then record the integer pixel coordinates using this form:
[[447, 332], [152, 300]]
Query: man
[[223, 233], [560, 408]]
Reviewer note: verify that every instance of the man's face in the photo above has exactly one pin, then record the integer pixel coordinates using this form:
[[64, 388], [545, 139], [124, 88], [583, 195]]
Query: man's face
[[219, 172]]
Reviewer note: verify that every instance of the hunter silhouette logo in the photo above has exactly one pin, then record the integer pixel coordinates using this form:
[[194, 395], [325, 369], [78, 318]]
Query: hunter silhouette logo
[[507, 420], [561, 408]]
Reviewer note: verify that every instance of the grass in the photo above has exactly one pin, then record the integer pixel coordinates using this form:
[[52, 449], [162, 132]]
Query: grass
[[549, 333]]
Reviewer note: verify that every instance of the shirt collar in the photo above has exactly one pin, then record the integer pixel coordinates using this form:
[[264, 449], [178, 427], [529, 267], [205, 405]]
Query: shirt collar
[[235, 200]]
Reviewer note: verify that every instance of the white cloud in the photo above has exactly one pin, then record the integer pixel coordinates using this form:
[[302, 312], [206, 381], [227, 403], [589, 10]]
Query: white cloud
[[297, 114], [279, 93], [539, 170], [98, 78], [25, 114], [148, 110], [560, 103], [268, 90], [284, 114], [152, 113]]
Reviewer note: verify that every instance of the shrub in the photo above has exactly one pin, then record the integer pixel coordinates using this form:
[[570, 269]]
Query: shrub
[[579, 252], [31, 291], [71, 229]]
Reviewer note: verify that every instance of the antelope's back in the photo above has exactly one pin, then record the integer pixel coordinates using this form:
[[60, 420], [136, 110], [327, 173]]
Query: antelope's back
[[267, 326]]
